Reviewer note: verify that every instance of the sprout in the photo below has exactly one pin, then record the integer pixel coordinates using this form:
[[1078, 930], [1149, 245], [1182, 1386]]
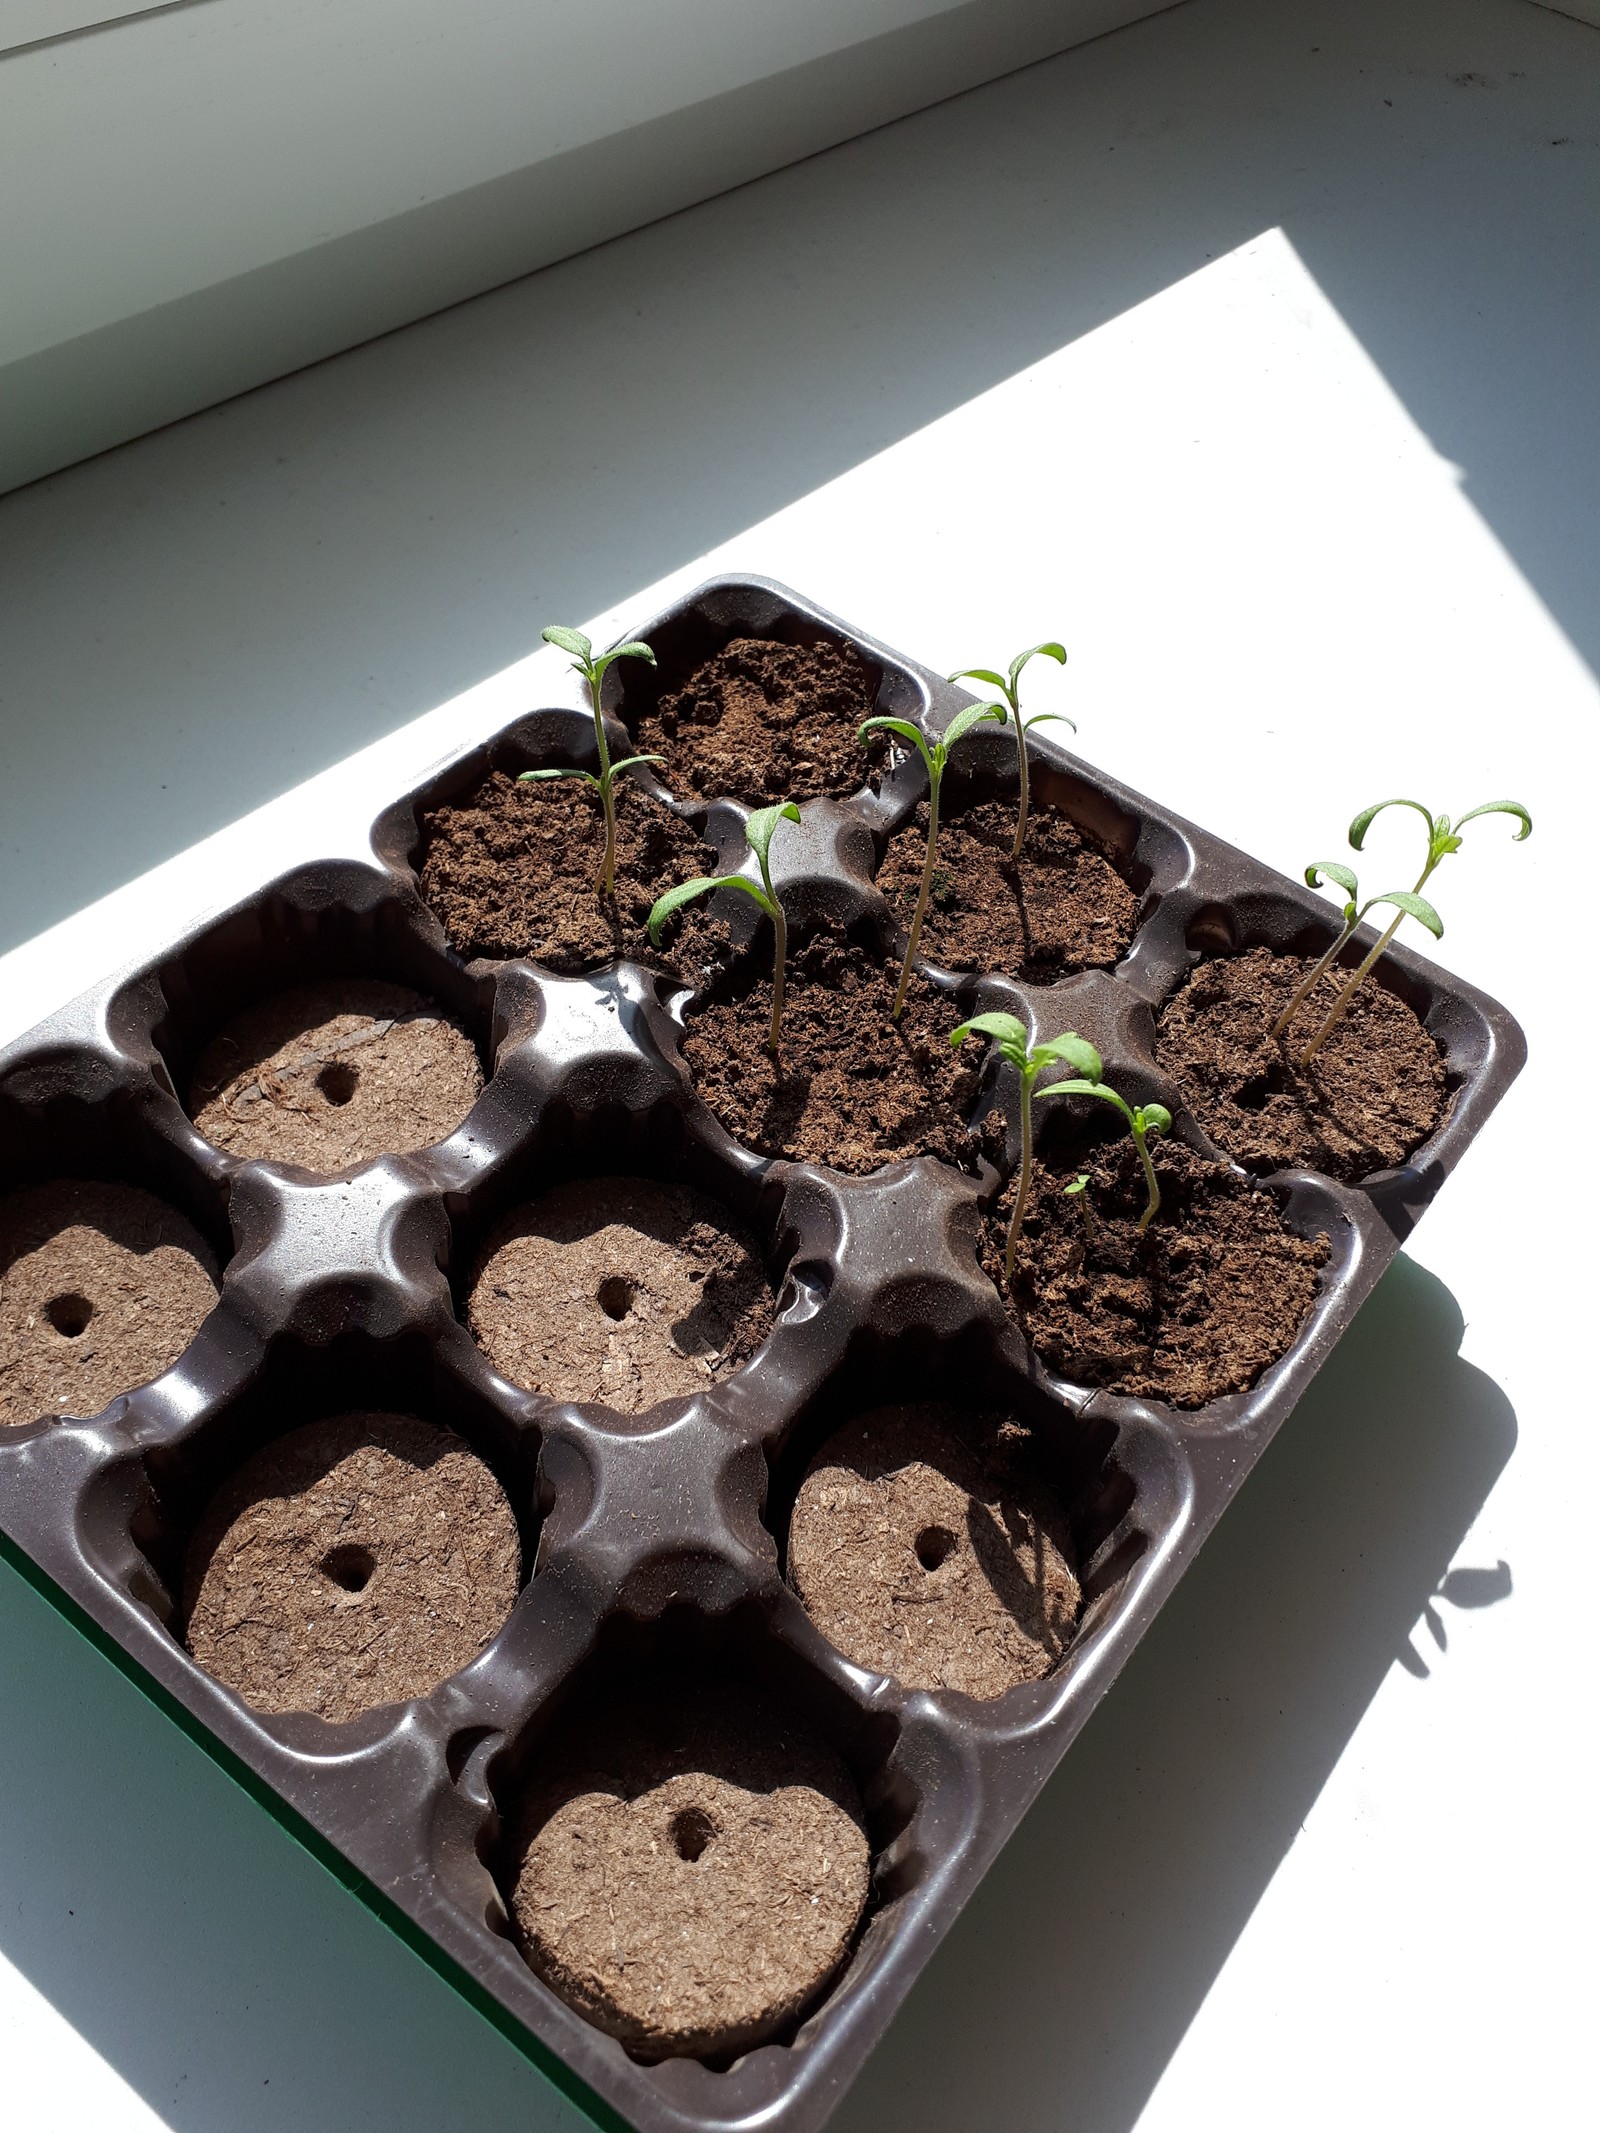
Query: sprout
[[935, 758], [1009, 684], [1444, 837], [593, 672], [1011, 1037], [758, 831]]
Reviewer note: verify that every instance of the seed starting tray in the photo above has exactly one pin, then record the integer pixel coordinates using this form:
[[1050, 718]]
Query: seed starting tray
[[655, 1539]]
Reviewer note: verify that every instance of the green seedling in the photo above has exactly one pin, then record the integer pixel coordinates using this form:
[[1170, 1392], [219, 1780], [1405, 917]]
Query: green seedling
[[1009, 684], [935, 759], [593, 672], [1444, 837], [1069, 1050], [1405, 901], [758, 835]]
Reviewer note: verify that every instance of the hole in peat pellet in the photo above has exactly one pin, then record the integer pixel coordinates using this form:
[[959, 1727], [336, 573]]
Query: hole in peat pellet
[[692, 1831], [69, 1313], [337, 1082], [933, 1545], [350, 1567], [615, 1296]]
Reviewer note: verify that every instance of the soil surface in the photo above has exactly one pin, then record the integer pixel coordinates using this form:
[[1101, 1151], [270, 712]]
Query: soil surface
[[925, 1545], [1198, 1306], [102, 1287], [354, 1562], [513, 872], [619, 1290], [693, 1875], [763, 722], [1064, 908], [852, 1089], [331, 1075], [1373, 1093]]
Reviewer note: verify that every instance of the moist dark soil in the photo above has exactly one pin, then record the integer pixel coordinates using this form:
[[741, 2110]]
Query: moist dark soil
[[512, 872], [354, 1562], [619, 1290], [102, 1287], [331, 1075], [1373, 1094], [925, 1544], [691, 1872], [763, 722], [1197, 1306], [1063, 908], [852, 1089]]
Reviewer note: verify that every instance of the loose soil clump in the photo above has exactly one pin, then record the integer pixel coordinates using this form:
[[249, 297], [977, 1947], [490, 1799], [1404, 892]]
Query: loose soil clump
[[512, 872], [1195, 1307], [354, 1562], [102, 1287], [692, 1872], [1063, 908], [926, 1545], [330, 1075], [763, 722], [621, 1291], [852, 1089], [1373, 1094]]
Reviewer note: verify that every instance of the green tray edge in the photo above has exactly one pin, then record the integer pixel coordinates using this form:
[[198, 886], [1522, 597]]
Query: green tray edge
[[538, 2054]]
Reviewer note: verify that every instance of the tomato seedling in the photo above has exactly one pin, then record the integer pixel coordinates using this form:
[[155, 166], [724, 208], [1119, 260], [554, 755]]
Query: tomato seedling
[[758, 831], [593, 672], [935, 759], [1010, 684]]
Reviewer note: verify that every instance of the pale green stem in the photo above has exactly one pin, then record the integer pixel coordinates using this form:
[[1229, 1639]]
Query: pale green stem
[[1150, 1180], [608, 866], [1336, 1013], [1024, 1177], [1308, 983], [1022, 775], [780, 950], [923, 896]]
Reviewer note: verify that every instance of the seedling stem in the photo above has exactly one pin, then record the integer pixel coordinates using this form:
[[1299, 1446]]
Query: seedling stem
[[935, 759], [593, 672], [758, 832], [1009, 684]]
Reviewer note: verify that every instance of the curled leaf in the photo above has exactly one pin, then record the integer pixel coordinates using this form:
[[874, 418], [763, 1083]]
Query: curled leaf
[[1008, 1033], [758, 830], [702, 885], [1414, 906], [1502, 807], [1368, 815], [1331, 870], [1073, 1051]]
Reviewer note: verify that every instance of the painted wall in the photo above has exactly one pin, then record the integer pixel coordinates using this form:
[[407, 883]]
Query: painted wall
[[195, 200]]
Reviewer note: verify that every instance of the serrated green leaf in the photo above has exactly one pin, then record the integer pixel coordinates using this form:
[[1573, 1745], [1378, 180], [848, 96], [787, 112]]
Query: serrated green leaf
[[1333, 871], [565, 640], [1057, 652], [901, 727], [964, 721], [1008, 1033], [1503, 807], [758, 830], [1414, 906], [1073, 1051], [1368, 815], [702, 885], [532, 777]]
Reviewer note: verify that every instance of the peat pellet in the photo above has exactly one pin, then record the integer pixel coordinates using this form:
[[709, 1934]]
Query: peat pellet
[[102, 1287], [695, 1886], [621, 1291], [330, 1075], [1371, 1096], [924, 1546], [356, 1561]]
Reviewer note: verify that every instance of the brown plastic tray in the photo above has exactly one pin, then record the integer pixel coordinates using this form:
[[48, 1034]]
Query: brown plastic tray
[[659, 1538]]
